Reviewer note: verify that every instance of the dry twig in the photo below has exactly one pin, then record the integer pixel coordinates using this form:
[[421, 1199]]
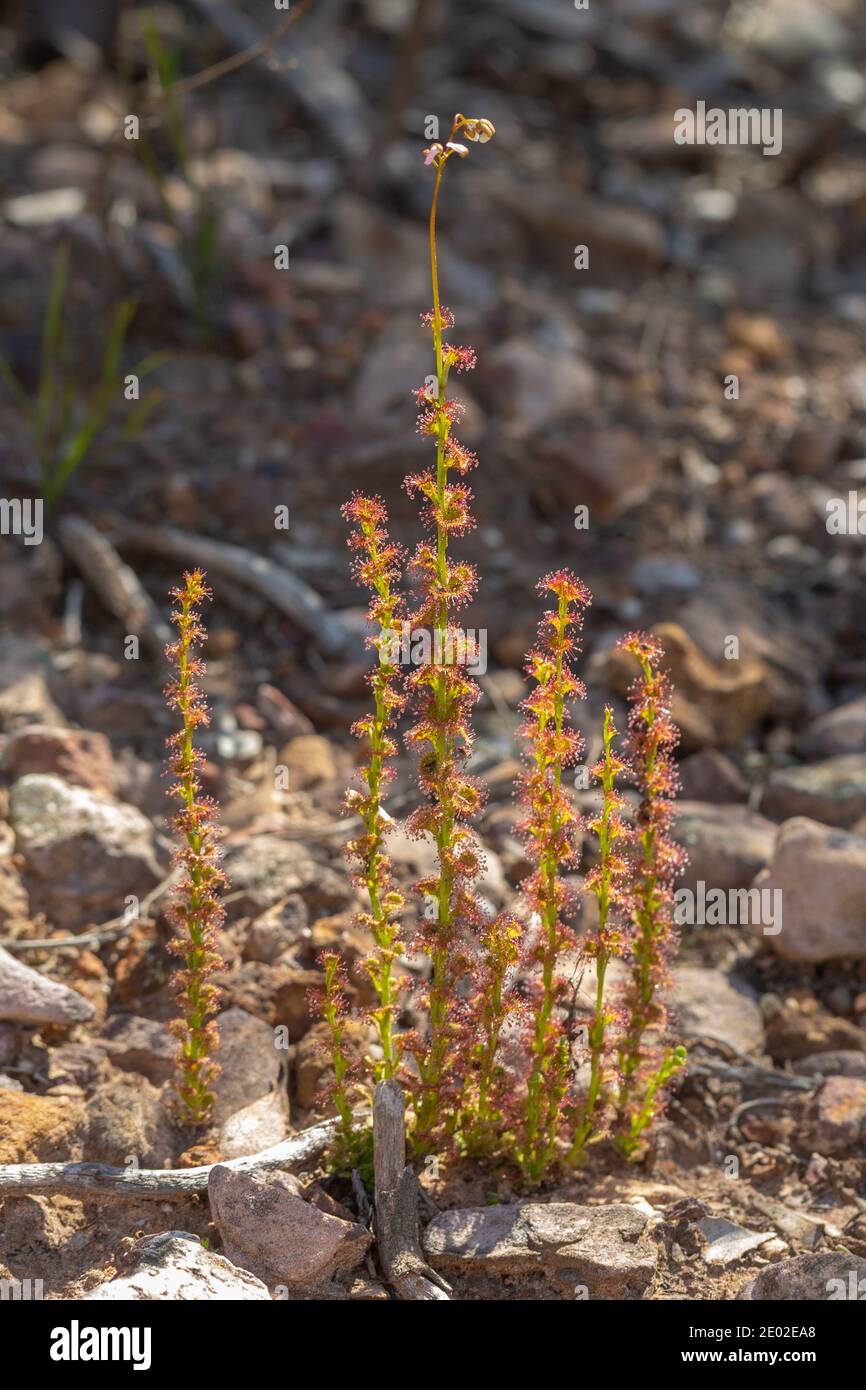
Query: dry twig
[[156, 1184], [405, 1268]]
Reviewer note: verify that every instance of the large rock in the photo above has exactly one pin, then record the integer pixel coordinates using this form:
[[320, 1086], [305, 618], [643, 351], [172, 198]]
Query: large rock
[[603, 1248], [252, 1065], [28, 997], [73, 755], [794, 1031], [821, 874], [257, 1126], [708, 1003], [835, 1118], [129, 1119], [831, 1276], [84, 852], [40, 1129], [140, 1045], [175, 1266], [726, 845], [715, 703], [833, 792], [790, 656], [841, 730], [271, 1231], [709, 776]]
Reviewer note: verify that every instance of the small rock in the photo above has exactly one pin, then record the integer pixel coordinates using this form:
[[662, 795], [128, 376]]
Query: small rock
[[252, 1066], [708, 1003], [312, 1060], [611, 470], [831, 1276], [37, 1224], [834, 1063], [419, 857], [276, 930], [292, 1006], [833, 791], [759, 333], [28, 997], [263, 869], [269, 1230], [661, 574], [797, 1226], [24, 694], [174, 1266], [537, 385], [129, 1118], [41, 1129], [715, 703], [284, 717], [14, 904], [257, 1126], [709, 776], [792, 1033], [727, 845], [821, 874], [339, 934], [74, 755], [727, 1242], [788, 656], [140, 1045], [812, 449], [309, 760], [600, 1246], [85, 851], [835, 1118], [84, 1065], [367, 1291], [840, 731]]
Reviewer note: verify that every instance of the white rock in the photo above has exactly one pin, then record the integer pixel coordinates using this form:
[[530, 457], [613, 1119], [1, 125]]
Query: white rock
[[28, 997], [258, 1126], [175, 1266], [727, 1242]]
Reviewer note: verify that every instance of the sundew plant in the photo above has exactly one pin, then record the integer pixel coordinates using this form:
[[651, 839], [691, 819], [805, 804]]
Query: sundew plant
[[502, 1067]]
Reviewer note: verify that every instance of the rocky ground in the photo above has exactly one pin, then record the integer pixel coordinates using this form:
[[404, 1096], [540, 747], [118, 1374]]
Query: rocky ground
[[599, 388]]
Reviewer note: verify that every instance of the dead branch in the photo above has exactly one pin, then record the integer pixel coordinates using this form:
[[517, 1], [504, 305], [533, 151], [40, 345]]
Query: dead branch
[[325, 91], [114, 582], [87, 1180], [285, 591], [260, 49], [407, 1272]]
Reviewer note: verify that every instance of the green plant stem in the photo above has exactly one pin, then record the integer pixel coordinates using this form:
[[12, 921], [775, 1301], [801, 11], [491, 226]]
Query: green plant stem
[[539, 1111]]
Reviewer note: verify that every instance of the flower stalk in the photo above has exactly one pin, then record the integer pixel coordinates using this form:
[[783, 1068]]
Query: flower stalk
[[195, 911], [550, 832], [377, 566], [443, 695], [652, 738], [608, 881]]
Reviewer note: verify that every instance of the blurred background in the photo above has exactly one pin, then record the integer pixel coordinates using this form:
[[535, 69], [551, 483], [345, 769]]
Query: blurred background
[[698, 383]]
